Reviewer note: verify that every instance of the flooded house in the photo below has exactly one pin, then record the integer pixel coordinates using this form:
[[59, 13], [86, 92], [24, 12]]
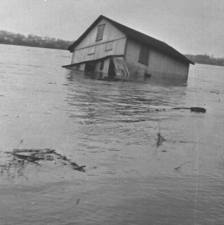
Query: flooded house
[[111, 50]]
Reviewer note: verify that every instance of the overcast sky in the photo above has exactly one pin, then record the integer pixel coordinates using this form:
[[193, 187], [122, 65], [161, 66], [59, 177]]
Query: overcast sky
[[191, 26]]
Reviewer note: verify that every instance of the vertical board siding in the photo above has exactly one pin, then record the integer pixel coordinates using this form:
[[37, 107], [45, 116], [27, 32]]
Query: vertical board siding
[[132, 51], [110, 33], [165, 64], [81, 55], [111, 36], [158, 63]]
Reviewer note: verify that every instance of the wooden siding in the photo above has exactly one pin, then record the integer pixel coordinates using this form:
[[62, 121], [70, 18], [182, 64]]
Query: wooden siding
[[113, 43], [110, 33], [165, 64], [158, 63], [100, 51]]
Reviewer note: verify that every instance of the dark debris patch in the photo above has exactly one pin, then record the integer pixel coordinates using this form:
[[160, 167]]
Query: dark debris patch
[[160, 139], [19, 159], [193, 109]]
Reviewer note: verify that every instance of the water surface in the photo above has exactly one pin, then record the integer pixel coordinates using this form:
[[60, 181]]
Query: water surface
[[111, 127]]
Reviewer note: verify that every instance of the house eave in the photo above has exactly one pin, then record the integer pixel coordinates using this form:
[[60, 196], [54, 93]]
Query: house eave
[[90, 60]]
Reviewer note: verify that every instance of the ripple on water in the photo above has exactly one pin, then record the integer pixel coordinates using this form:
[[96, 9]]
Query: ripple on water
[[112, 128]]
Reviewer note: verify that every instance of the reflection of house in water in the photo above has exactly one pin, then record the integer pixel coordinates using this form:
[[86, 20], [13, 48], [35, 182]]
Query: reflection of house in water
[[113, 51]]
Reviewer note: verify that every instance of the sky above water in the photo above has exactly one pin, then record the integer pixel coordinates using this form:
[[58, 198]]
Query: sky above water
[[191, 26]]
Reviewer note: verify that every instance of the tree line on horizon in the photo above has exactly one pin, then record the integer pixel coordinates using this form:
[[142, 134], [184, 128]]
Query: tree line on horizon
[[47, 42], [206, 59], [32, 40]]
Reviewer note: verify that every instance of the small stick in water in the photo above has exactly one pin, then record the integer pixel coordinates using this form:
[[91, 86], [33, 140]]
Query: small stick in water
[[160, 139], [193, 109], [180, 166]]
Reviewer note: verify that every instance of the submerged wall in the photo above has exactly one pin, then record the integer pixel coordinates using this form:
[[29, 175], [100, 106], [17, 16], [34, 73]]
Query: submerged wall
[[159, 64]]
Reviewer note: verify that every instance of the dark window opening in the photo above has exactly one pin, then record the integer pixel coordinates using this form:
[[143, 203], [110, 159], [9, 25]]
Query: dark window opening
[[100, 31], [111, 72], [144, 55], [78, 67], [90, 67], [101, 65]]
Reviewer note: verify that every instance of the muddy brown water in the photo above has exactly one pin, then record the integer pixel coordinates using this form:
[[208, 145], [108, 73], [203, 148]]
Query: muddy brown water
[[112, 128]]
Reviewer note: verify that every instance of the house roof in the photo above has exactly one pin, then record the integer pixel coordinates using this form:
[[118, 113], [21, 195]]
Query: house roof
[[136, 36]]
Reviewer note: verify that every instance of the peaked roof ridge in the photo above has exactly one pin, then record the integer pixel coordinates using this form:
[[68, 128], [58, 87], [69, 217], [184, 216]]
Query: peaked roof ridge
[[148, 39], [135, 35], [131, 29]]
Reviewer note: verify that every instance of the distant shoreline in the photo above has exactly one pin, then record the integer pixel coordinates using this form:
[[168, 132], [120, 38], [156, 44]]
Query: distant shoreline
[[206, 59], [32, 46], [10, 38], [192, 58], [32, 40]]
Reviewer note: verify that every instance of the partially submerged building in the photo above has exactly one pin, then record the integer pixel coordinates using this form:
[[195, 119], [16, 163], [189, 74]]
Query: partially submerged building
[[114, 51]]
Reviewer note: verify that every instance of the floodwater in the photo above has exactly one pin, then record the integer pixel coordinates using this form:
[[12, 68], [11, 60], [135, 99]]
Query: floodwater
[[111, 127]]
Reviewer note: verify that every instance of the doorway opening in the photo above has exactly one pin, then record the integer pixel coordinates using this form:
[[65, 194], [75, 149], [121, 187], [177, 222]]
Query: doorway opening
[[90, 67], [111, 71]]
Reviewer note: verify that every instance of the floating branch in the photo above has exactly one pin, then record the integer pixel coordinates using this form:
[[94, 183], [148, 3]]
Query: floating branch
[[193, 109], [181, 165]]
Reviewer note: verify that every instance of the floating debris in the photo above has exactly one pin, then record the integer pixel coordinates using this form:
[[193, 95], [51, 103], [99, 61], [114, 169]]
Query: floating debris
[[180, 166], [215, 92], [160, 139], [160, 110], [51, 82], [193, 109], [198, 109], [21, 158], [77, 201]]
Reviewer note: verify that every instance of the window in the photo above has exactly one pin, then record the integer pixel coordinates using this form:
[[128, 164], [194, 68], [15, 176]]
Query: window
[[91, 50], [100, 30], [144, 55], [109, 46]]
